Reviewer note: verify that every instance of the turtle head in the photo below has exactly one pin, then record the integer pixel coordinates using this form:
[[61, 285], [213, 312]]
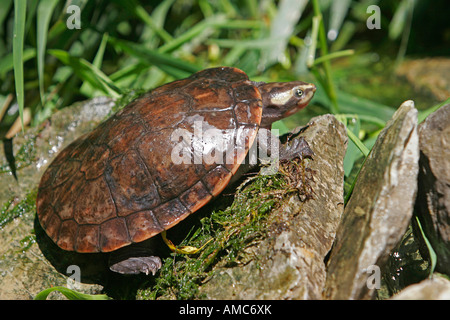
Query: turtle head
[[282, 99]]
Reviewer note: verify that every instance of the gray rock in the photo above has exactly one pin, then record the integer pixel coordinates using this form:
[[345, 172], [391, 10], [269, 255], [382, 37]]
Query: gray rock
[[24, 269], [437, 288], [35, 149], [433, 198], [428, 76], [290, 260], [378, 211]]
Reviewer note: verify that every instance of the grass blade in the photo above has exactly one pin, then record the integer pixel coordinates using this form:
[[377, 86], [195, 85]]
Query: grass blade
[[5, 5], [358, 143], [282, 27], [369, 119], [148, 20], [70, 294], [7, 62], [334, 55], [431, 252], [331, 91], [20, 8], [88, 72], [425, 113], [188, 35], [353, 128], [311, 48], [261, 44], [44, 13], [173, 66], [406, 30], [397, 24], [87, 88], [351, 104], [136, 9], [338, 11]]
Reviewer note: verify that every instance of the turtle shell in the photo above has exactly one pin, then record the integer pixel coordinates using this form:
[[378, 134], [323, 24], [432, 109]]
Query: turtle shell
[[152, 164]]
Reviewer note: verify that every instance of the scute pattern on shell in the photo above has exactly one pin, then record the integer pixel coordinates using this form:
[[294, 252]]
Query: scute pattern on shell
[[118, 185]]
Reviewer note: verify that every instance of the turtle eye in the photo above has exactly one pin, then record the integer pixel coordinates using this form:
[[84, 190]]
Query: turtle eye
[[298, 93]]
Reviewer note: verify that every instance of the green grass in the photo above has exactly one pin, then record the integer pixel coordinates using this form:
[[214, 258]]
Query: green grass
[[70, 294], [11, 210], [226, 233], [20, 8], [127, 47]]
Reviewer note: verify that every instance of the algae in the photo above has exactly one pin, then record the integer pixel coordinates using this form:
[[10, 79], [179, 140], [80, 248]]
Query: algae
[[232, 229], [11, 210]]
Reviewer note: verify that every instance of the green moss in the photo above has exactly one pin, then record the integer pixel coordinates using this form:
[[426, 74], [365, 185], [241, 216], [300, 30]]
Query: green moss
[[229, 231], [126, 98], [24, 157], [27, 241], [11, 210], [405, 266]]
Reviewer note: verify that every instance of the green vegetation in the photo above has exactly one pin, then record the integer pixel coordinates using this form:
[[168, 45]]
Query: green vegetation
[[11, 210], [70, 294], [51, 58], [52, 55], [232, 230]]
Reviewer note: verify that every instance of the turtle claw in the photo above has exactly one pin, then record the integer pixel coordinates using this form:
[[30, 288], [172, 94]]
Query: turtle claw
[[136, 265], [298, 148]]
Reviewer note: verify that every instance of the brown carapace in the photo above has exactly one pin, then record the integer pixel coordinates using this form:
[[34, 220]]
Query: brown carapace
[[123, 183]]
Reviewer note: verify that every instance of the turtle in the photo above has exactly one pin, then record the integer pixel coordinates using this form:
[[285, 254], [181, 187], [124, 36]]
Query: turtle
[[152, 164]]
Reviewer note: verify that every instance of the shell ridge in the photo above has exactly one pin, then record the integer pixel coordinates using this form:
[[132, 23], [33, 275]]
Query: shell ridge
[[154, 196], [150, 174], [109, 167]]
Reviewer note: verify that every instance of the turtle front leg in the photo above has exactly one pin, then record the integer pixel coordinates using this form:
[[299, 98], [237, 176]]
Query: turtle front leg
[[296, 148], [272, 150], [136, 265], [134, 259]]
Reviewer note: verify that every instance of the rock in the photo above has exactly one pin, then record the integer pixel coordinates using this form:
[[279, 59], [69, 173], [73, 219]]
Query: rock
[[404, 267], [35, 149], [299, 238], [289, 262], [378, 212], [433, 198], [437, 288], [428, 75], [24, 269]]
